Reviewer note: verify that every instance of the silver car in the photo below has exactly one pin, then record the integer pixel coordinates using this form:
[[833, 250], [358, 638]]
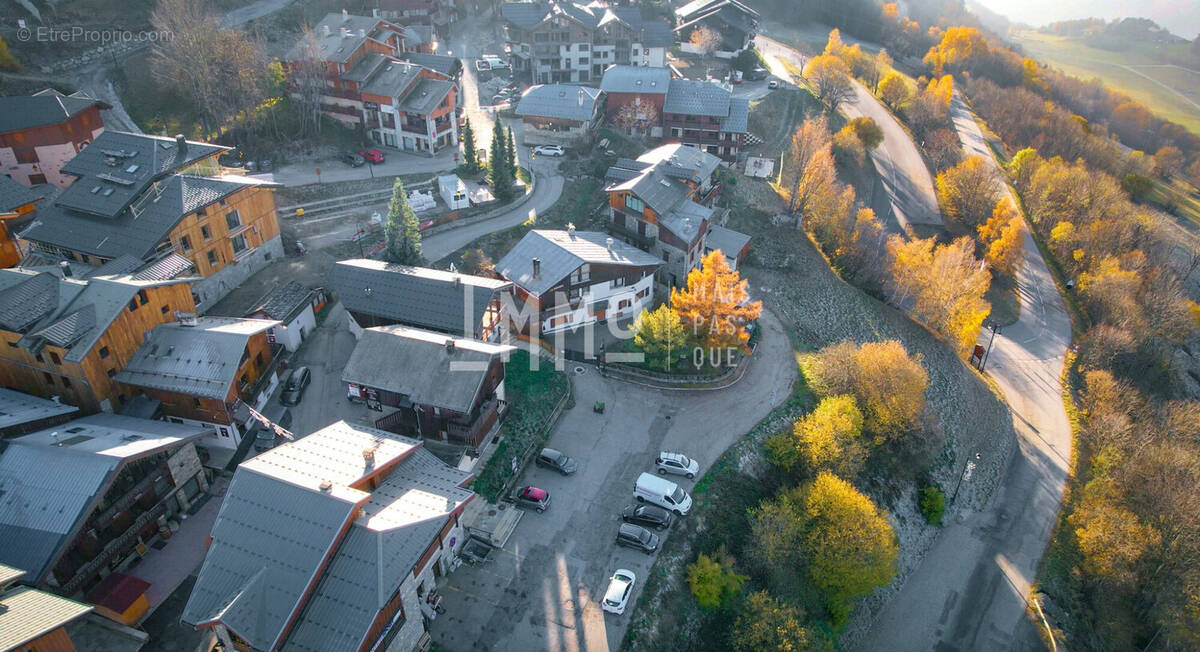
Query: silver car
[[677, 464]]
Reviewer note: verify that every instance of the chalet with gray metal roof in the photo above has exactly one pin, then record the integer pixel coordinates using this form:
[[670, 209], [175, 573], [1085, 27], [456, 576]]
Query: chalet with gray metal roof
[[322, 542], [705, 115], [103, 465], [571, 279], [734, 245], [734, 21], [295, 307], [597, 35], [662, 202], [428, 384], [40, 132], [559, 114], [377, 293], [70, 329], [204, 369], [21, 413], [150, 197]]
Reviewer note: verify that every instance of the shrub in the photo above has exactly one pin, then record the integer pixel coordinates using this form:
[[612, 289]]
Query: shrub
[[713, 581], [933, 504]]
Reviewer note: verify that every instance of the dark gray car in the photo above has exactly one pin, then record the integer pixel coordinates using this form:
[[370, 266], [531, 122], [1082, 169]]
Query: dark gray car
[[293, 388], [648, 515], [557, 460], [637, 537]]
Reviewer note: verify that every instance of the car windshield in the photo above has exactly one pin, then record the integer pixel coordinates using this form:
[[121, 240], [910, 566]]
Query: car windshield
[[684, 460], [562, 459], [677, 497], [644, 535]]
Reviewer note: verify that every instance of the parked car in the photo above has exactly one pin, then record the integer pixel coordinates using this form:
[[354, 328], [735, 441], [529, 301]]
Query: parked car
[[353, 160], [372, 155], [293, 388], [495, 61], [735, 77], [532, 498], [650, 515], [620, 587], [676, 463], [557, 460], [662, 492], [773, 84], [265, 438], [757, 74], [549, 150], [637, 537]]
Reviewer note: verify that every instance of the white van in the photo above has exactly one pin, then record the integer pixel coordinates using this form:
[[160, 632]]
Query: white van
[[662, 492]]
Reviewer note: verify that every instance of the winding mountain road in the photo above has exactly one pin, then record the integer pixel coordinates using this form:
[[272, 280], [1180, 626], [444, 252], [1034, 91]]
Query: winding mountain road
[[970, 591], [906, 180]]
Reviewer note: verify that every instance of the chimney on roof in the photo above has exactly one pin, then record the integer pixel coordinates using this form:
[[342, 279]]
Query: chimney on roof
[[608, 242], [450, 346], [581, 97], [65, 268], [326, 486], [369, 456], [181, 144], [571, 229], [345, 16], [537, 267], [344, 31], [457, 281], [325, 31]]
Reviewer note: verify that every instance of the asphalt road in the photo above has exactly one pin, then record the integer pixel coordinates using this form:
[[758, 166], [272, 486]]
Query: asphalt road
[[970, 592], [542, 591], [906, 181]]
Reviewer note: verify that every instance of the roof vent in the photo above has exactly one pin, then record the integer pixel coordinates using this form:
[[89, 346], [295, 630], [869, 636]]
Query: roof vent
[[326, 486], [181, 144], [608, 242], [537, 267], [637, 82], [367, 291], [581, 97], [65, 268], [450, 346], [345, 16], [571, 229], [325, 30], [362, 31], [186, 318]]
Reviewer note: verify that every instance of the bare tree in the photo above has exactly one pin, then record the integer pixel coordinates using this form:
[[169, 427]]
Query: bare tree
[[307, 78], [830, 78], [705, 39], [636, 115], [218, 68]]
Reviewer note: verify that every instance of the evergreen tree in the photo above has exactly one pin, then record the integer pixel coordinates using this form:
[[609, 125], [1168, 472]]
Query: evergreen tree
[[500, 176], [513, 167], [470, 159], [403, 230]]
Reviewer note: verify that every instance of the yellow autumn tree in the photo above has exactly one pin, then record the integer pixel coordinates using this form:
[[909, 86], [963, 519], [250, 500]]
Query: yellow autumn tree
[[715, 306], [968, 191], [829, 437], [893, 90], [959, 46], [830, 79], [942, 286], [1003, 237], [660, 335], [888, 384]]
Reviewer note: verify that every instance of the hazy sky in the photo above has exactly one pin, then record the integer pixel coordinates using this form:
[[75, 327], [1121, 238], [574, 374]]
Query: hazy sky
[[1182, 17]]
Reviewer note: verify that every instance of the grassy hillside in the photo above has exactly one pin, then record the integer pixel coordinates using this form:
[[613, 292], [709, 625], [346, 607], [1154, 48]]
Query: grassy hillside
[[1172, 92]]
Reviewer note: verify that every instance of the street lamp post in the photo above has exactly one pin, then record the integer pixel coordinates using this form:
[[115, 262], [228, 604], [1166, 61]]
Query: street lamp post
[[966, 474], [995, 331]]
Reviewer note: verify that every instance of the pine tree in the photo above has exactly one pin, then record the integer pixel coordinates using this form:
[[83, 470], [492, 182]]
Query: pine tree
[[513, 167], [500, 176], [403, 230], [470, 158]]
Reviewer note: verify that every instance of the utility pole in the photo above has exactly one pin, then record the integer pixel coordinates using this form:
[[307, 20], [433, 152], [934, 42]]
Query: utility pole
[[965, 475], [995, 331]]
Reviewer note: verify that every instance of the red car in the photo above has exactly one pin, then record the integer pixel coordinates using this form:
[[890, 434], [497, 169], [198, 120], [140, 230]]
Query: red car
[[532, 498], [372, 155]]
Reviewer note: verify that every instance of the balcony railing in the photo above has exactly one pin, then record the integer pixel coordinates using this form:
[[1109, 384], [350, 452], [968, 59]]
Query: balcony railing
[[618, 229], [112, 549], [474, 431], [250, 395]]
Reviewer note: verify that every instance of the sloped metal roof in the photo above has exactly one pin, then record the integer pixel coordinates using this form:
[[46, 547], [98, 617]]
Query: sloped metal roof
[[425, 95], [14, 195], [45, 108], [27, 614], [561, 253], [686, 219], [563, 101], [200, 360], [417, 296], [69, 329], [738, 120], [418, 364], [17, 408], [524, 14], [27, 301], [728, 241], [692, 97], [283, 302], [635, 79], [168, 267]]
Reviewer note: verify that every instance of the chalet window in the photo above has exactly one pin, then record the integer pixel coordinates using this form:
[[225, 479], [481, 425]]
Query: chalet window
[[206, 233], [666, 256], [132, 305], [619, 282], [111, 372], [634, 204], [233, 219], [258, 359], [243, 382], [48, 377], [197, 404], [643, 293], [212, 257], [624, 303], [13, 344], [103, 352], [559, 321], [166, 309], [239, 244], [581, 274], [39, 357], [143, 298], [185, 243], [66, 382], [54, 358]]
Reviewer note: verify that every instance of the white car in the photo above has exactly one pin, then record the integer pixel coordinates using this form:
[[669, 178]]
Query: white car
[[676, 463], [549, 150], [620, 587], [773, 84]]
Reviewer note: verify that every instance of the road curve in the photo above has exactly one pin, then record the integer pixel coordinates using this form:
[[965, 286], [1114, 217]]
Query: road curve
[[970, 591], [906, 180]]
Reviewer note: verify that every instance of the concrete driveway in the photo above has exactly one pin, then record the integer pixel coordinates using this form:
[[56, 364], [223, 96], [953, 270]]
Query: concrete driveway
[[333, 170], [970, 592], [541, 591], [906, 180]]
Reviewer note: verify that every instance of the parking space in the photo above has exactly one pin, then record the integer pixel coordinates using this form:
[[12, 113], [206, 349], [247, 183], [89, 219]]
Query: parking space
[[542, 591]]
